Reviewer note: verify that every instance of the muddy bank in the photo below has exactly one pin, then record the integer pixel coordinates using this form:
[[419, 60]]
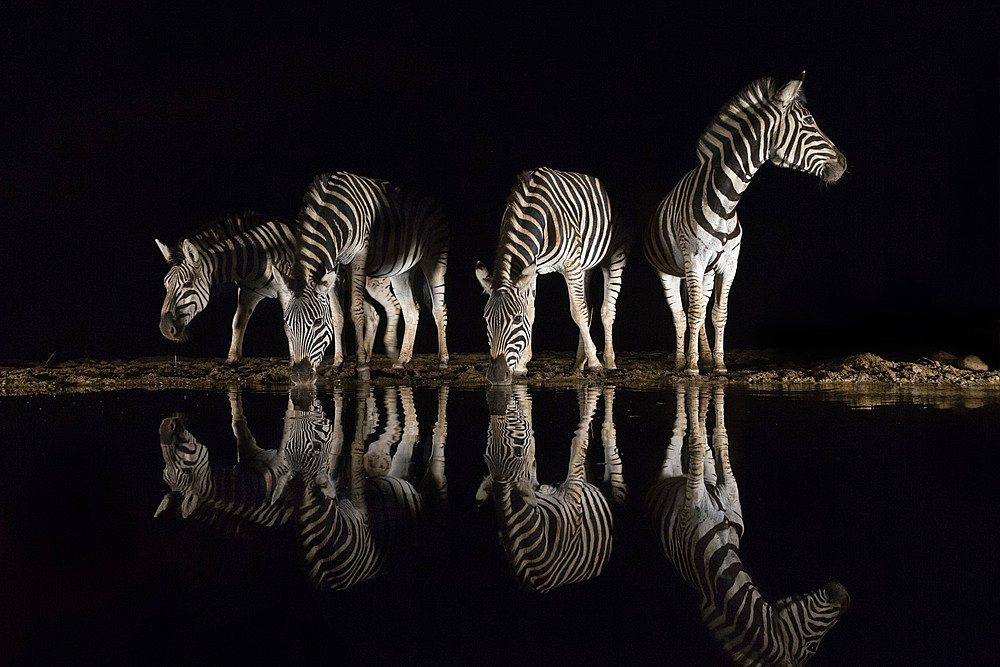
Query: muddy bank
[[638, 370]]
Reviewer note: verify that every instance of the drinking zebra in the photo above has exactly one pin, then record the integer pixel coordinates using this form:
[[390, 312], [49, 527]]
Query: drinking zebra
[[249, 251], [695, 235], [699, 521], [555, 221], [551, 535], [377, 230]]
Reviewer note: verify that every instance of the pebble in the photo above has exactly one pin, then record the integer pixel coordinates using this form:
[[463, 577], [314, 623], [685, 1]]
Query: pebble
[[971, 362]]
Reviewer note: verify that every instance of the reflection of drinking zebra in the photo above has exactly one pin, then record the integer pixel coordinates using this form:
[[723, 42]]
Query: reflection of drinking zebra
[[555, 221], [249, 252], [377, 230], [552, 535], [699, 521], [695, 235]]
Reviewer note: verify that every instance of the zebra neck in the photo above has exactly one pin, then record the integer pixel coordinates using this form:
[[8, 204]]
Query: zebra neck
[[721, 183], [735, 611]]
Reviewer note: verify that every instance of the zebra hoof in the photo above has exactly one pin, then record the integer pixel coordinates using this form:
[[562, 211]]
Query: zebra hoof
[[364, 374], [692, 372]]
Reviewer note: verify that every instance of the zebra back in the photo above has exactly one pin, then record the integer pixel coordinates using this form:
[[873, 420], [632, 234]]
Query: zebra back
[[699, 521]]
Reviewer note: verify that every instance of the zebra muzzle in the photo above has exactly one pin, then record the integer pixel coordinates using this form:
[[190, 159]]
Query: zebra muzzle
[[302, 372], [834, 169], [172, 329], [499, 372]]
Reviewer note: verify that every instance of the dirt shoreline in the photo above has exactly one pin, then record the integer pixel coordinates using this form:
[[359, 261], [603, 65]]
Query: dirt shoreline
[[637, 370]]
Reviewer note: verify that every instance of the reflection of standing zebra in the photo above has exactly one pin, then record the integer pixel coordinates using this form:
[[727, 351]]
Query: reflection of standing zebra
[[695, 235], [377, 230], [552, 536], [249, 252], [699, 521], [555, 221]]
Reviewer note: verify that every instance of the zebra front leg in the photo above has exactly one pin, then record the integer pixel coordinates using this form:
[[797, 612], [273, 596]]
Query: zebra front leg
[[337, 317], [578, 309], [612, 288], [371, 326], [672, 292], [705, 363], [434, 270], [411, 314], [246, 301], [358, 312], [720, 313], [521, 367], [693, 276]]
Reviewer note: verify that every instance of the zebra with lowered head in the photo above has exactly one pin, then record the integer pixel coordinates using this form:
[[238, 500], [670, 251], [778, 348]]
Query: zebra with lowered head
[[251, 252], [698, 519], [376, 230], [695, 235], [555, 221]]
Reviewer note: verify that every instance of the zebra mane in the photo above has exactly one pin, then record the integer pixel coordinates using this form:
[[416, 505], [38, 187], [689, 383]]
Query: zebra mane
[[217, 230], [754, 94]]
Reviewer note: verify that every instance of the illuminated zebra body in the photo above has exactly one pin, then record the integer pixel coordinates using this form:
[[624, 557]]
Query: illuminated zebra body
[[555, 221], [695, 235], [551, 535], [376, 230], [252, 253], [699, 521]]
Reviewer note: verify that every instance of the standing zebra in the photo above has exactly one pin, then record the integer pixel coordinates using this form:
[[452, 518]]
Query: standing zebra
[[552, 535], [699, 521], [555, 221], [695, 235], [250, 252], [377, 230]]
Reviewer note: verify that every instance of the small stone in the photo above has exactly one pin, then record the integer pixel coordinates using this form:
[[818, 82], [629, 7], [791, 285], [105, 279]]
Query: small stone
[[971, 362], [944, 357]]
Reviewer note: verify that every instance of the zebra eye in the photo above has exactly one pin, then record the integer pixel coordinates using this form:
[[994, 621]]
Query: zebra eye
[[812, 646], [318, 322], [187, 284], [518, 319], [808, 120]]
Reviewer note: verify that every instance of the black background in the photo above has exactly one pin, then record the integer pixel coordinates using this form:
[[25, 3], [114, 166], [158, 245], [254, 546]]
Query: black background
[[125, 124]]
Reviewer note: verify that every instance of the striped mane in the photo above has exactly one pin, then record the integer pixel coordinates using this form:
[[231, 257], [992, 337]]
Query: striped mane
[[217, 230], [754, 94]]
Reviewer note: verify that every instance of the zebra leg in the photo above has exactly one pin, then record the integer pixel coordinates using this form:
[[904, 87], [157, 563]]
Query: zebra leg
[[246, 301], [672, 466], [411, 314], [720, 313], [578, 309], [612, 273], [371, 326], [380, 290], [402, 460], [581, 345], [720, 443], [358, 312], [672, 292], [693, 277], [434, 270], [695, 494], [337, 316], [614, 481], [521, 368], [435, 484], [704, 350]]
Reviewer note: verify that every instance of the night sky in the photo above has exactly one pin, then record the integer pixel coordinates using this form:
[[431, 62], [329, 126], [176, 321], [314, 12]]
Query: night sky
[[127, 124]]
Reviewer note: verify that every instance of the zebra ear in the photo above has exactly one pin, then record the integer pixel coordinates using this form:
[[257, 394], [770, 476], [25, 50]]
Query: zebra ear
[[163, 249], [189, 504], [281, 283], [483, 492], [524, 281], [327, 283], [191, 252], [527, 492], [483, 274], [164, 504], [789, 92]]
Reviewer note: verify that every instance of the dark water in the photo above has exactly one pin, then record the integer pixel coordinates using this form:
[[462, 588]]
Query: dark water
[[891, 495]]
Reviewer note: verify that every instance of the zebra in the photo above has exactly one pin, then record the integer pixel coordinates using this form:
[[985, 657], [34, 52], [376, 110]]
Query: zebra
[[551, 535], [378, 230], [250, 492], [699, 522], [249, 251], [695, 234], [555, 221]]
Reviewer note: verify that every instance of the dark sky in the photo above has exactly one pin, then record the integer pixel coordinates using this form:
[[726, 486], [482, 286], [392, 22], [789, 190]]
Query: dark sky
[[127, 124]]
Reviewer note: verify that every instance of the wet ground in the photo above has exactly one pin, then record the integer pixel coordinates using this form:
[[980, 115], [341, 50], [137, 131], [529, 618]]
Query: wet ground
[[637, 370]]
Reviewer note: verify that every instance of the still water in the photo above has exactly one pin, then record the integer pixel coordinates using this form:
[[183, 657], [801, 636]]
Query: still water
[[425, 525]]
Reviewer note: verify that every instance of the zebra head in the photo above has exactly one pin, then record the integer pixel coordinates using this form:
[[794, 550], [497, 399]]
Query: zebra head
[[187, 284], [185, 464], [308, 437], [510, 445], [803, 620], [797, 142], [308, 325], [508, 325]]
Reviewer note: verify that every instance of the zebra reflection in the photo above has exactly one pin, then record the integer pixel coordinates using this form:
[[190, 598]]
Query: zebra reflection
[[354, 513], [551, 535], [699, 521]]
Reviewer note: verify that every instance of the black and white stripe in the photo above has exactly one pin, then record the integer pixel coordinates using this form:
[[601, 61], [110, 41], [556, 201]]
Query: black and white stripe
[[695, 234], [377, 230], [699, 523], [551, 535], [253, 253], [555, 221]]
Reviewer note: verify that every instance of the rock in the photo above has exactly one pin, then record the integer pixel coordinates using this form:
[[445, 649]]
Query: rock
[[867, 361], [944, 357], [971, 362]]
